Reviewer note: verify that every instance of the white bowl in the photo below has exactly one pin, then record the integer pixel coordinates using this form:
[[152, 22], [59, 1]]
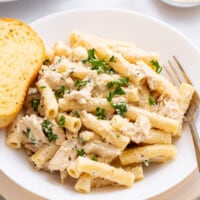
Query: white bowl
[[2, 1], [182, 4], [147, 33]]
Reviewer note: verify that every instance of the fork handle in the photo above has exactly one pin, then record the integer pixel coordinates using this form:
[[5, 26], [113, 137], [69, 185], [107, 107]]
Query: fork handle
[[195, 130]]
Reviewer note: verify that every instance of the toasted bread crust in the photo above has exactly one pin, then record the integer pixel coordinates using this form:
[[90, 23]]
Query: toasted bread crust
[[22, 55]]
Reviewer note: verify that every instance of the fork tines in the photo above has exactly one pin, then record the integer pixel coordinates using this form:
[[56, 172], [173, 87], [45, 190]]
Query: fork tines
[[176, 74]]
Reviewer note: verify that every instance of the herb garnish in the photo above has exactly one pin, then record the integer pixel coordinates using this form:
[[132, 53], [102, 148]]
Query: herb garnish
[[120, 108], [157, 65], [91, 55], [110, 96], [118, 135], [27, 132], [151, 100], [94, 157], [100, 113], [59, 93], [100, 65], [81, 152], [35, 103], [29, 135], [80, 83], [47, 128], [75, 113], [112, 59], [119, 91], [61, 121], [117, 84], [43, 86]]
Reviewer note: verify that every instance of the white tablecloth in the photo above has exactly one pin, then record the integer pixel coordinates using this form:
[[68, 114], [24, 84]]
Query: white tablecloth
[[186, 20]]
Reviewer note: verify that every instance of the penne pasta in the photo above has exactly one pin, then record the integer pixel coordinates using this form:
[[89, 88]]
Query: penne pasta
[[69, 122], [99, 111], [152, 136], [84, 183], [150, 153], [14, 137], [102, 170], [90, 105], [157, 137], [104, 130], [51, 107], [157, 121], [43, 155], [186, 92], [129, 51]]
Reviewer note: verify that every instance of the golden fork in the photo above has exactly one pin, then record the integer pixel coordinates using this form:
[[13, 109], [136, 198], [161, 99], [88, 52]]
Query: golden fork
[[177, 75]]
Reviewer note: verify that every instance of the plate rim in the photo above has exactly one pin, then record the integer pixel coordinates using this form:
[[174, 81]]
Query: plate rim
[[163, 23]]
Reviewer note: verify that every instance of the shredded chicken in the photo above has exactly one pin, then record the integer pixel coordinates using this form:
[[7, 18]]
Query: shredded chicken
[[168, 107], [102, 149], [65, 155], [141, 130], [31, 128]]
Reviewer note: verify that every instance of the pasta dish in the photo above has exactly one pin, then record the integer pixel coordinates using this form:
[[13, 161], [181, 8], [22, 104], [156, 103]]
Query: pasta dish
[[100, 111]]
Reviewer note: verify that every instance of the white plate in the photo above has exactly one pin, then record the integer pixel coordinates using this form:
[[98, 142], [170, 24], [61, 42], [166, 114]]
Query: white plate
[[182, 4], [147, 33]]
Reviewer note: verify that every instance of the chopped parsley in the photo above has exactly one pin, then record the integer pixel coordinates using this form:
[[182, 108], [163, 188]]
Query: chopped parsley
[[81, 152], [120, 108], [35, 103], [91, 55], [118, 135], [110, 96], [30, 136], [112, 59], [100, 113], [119, 91], [59, 93], [47, 128], [61, 121], [75, 113], [156, 65], [151, 100], [100, 65], [27, 132], [118, 83], [43, 86], [94, 157], [80, 83]]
